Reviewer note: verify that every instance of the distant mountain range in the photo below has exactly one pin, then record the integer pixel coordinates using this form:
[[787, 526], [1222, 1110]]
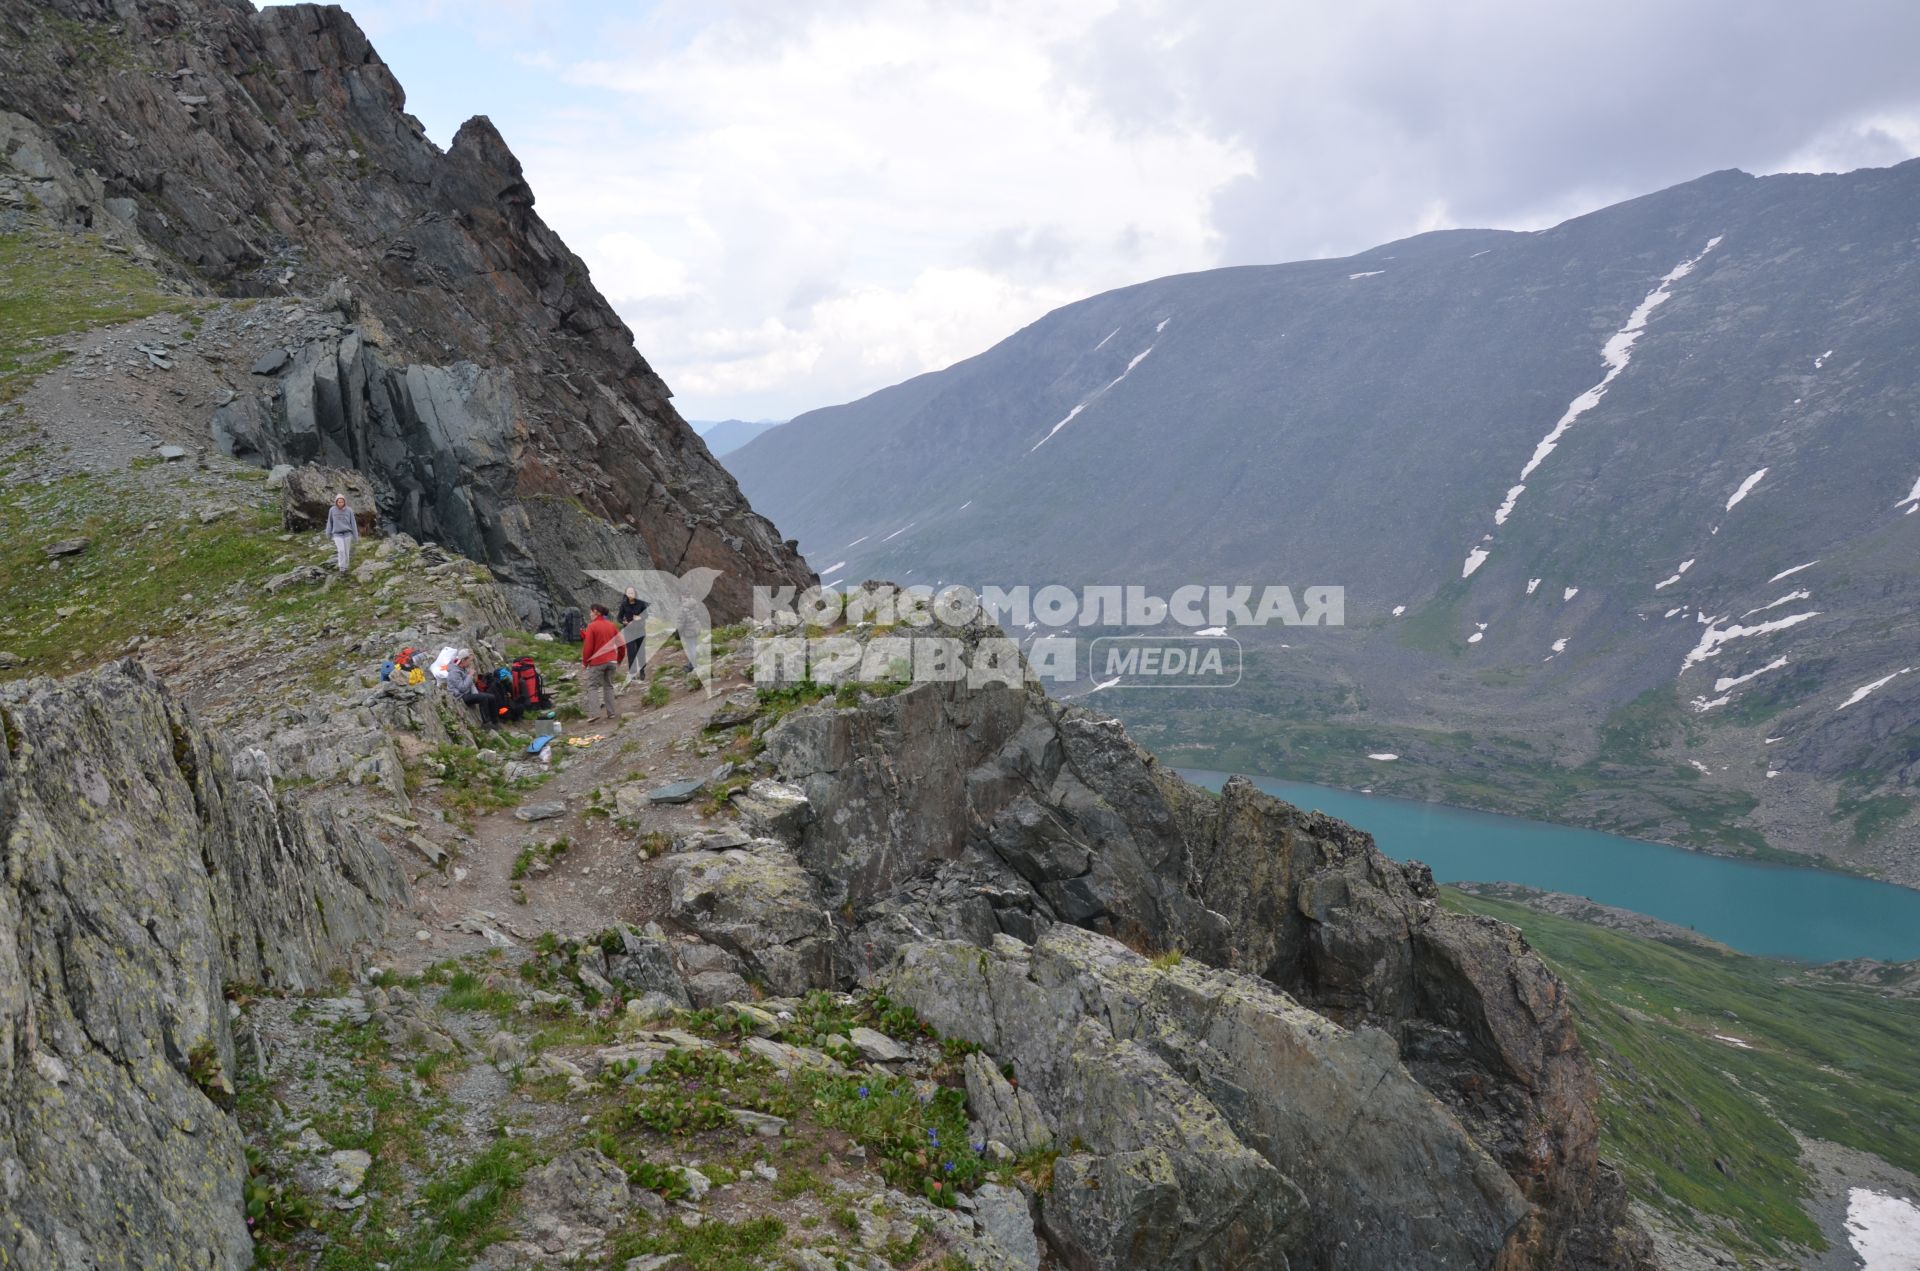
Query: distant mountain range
[[724, 436], [1625, 509]]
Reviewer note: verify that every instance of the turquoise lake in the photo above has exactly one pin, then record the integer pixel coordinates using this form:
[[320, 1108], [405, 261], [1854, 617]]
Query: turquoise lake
[[1806, 914]]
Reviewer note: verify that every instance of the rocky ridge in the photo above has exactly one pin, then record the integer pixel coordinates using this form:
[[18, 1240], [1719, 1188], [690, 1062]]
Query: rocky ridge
[[1273, 1046], [269, 153], [147, 867], [973, 814], [1372, 1059]]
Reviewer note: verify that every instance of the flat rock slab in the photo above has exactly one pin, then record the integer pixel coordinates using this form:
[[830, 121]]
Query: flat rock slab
[[877, 1047], [172, 454], [67, 547], [740, 707], [759, 1022], [435, 854], [678, 792], [272, 362], [540, 812], [629, 799], [350, 1170], [760, 1123]]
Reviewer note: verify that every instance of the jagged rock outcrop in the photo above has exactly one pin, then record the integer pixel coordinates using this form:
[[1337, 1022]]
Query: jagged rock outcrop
[[969, 813], [145, 868], [474, 372], [307, 494], [1175, 1084], [760, 905]]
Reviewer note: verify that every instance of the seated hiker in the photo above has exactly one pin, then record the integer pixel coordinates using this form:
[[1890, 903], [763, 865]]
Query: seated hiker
[[633, 629], [470, 688]]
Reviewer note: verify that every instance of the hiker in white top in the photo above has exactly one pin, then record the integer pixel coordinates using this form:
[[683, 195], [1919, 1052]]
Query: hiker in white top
[[343, 528]]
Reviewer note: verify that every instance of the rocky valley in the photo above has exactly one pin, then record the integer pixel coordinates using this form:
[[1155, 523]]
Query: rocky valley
[[305, 967]]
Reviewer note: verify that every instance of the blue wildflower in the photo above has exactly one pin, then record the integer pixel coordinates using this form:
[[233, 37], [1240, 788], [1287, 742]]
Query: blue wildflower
[[863, 1092]]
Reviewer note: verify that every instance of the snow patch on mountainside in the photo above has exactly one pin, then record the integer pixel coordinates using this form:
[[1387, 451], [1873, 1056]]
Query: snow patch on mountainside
[[1569, 594], [1615, 353], [1095, 396], [1787, 573], [1883, 1230], [1064, 421], [897, 533], [1860, 694], [1533, 585], [1789, 598], [1913, 498], [1716, 635], [1366, 273], [1746, 488], [1685, 565], [1103, 343], [1726, 682], [1475, 559]]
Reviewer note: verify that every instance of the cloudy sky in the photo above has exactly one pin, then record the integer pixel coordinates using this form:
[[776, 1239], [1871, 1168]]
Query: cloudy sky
[[796, 203]]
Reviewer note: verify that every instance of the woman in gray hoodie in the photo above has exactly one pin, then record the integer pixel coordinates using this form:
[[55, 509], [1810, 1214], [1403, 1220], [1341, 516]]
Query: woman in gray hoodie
[[343, 528]]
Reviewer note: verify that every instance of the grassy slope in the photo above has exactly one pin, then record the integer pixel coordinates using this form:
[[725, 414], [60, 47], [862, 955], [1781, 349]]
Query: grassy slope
[[54, 283], [1701, 1128], [147, 571], [152, 567]]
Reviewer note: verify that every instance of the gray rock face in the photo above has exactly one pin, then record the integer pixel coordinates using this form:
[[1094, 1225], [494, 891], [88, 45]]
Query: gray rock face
[[1369, 1169], [272, 362], [1005, 1114], [967, 814], [646, 966], [559, 450], [307, 493], [146, 868], [567, 1207], [761, 906], [1006, 1227]]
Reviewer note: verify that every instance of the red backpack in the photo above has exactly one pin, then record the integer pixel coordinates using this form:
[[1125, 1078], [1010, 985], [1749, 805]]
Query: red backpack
[[527, 691]]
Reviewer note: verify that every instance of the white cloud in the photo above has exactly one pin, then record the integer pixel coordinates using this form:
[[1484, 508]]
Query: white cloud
[[857, 195], [794, 203], [1871, 141]]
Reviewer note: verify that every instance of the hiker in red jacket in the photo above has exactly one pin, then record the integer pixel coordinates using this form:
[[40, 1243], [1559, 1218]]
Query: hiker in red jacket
[[600, 652]]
